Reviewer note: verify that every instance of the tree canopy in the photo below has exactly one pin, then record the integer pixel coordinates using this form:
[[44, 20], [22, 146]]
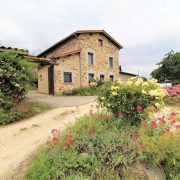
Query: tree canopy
[[16, 73], [168, 70]]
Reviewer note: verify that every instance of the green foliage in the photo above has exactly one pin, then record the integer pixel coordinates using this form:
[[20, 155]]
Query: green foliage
[[20, 111], [162, 150], [99, 149], [169, 69], [132, 99], [16, 73]]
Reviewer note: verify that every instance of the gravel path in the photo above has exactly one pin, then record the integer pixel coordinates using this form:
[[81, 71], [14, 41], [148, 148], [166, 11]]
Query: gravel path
[[18, 141], [60, 101]]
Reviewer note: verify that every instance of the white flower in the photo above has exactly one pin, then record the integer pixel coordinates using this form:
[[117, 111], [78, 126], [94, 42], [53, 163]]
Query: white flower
[[102, 98], [17, 85], [114, 93], [144, 92], [129, 82], [157, 104], [108, 105], [137, 83]]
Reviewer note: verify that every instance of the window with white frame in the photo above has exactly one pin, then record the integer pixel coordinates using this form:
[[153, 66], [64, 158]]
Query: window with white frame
[[111, 62], [67, 77], [90, 58]]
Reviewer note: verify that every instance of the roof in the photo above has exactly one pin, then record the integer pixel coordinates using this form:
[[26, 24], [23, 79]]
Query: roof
[[82, 32], [126, 73], [21, 51]]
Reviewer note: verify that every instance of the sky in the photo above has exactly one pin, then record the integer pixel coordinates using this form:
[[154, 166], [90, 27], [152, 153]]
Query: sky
[[147, 29]]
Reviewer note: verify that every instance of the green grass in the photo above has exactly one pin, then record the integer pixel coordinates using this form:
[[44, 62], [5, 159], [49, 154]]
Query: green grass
[[21, 111]]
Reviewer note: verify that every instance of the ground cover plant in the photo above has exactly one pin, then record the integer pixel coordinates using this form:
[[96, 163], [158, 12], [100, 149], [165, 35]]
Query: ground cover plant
[[20, 111]]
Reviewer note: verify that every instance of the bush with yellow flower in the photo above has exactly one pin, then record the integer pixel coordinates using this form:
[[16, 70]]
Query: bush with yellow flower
[[132, 99]]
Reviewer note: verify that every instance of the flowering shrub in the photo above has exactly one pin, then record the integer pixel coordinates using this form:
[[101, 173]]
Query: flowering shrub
[[16, 74], [131, 100], [173, 94], [159, 140]]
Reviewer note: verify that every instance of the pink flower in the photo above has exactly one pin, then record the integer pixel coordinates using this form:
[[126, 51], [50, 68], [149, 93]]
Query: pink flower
[[120, 114], [173, 114], [154, 124], [145, 123], [178, 126], [166, 131], [139, 108], [69, 137], [173, 122], [55, 139]]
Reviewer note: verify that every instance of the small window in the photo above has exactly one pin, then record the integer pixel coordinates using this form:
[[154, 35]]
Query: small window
[[111, 77], [100, 42], [90, 77], [40, 78], [90, 58], [67, 77], [110, 61], [102, 77]]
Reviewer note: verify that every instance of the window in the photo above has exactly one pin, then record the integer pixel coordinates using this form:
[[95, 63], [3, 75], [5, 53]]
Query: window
[[90, 58], [102, 77], [110, 61], [40, 77], [100, 42], [90, 77], [111, 77], [67, 77]]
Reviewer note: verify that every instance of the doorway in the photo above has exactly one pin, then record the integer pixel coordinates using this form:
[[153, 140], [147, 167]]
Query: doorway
[[51, 79]]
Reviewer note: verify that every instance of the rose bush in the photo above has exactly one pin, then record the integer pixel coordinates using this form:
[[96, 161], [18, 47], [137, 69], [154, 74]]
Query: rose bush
[[132, 100]]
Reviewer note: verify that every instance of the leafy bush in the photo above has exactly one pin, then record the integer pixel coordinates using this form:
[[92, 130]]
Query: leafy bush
[[95, 146], [132, 99], [159, 142], [16, 73], [20, 111]]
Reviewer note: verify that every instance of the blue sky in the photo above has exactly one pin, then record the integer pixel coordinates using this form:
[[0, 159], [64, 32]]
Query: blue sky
[[147, 29]]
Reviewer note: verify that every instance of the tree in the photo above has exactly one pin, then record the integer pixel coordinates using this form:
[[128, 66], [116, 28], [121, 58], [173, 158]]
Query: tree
[[169, 69], [16, 74]]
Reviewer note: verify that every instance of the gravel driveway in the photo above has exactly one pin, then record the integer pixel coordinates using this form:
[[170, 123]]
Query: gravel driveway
[[60, 101]]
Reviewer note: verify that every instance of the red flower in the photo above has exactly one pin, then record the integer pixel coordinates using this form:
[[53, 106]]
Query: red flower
[[161, 118], [154, 124], [65, 143], [120, 114], [145, 123], [173, 122], [69, 137], [139, 108], [55, 139]]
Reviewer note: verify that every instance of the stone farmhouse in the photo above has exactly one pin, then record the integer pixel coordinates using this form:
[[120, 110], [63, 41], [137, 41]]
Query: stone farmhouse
[[77, 59]]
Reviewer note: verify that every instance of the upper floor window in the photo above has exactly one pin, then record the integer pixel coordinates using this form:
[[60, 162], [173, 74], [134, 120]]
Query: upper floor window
[[90, 58], [111, 64], [100, 42], [111, 77], [67, 76]]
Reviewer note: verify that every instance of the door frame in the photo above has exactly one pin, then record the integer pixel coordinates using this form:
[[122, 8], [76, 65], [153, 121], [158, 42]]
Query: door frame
[[51, 80]]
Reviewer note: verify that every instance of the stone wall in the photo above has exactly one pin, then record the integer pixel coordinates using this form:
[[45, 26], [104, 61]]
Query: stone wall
[[90, 43]]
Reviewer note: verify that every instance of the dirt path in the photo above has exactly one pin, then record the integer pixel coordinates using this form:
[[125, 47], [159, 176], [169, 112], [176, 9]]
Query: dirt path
[[18, 141]]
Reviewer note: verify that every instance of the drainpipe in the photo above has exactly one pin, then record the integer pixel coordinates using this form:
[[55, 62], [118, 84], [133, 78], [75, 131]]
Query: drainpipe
[[80, 67]]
